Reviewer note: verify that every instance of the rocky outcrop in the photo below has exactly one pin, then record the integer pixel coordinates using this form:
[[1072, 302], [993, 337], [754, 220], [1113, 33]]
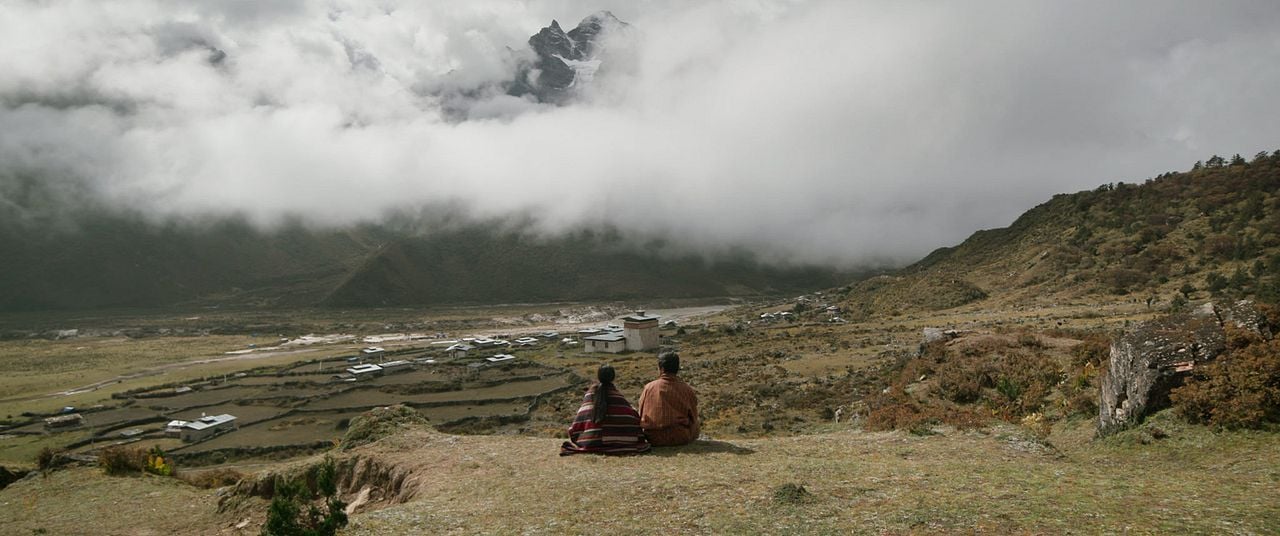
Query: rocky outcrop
[[9, 476], [1156, 356], [364, 482], [560, 57]]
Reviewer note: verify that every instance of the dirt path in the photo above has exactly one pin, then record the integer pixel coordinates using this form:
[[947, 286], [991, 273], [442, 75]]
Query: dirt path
[[152, 371]]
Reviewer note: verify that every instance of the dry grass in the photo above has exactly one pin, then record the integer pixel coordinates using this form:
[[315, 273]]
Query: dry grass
[[999, 481], [961, 482]]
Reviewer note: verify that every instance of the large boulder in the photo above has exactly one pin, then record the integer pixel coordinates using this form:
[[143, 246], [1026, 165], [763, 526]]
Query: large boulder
[[1154, 357]]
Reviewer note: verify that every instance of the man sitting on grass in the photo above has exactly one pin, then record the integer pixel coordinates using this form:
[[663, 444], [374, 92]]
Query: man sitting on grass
[[668, 406]]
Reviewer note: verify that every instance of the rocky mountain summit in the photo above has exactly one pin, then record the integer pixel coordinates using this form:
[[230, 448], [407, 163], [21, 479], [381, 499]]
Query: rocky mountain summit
[[562, 59]]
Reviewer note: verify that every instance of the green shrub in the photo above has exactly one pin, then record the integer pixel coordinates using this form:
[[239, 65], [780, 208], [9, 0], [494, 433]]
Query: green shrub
[[122, 460], [898, 411], [962, 378], [157, 464], [1080, 392], [1030, 340], [292, 512], [791, 494], [47, 458], [894, 411], [1010, 388], [1094, 350], [1241, 389]]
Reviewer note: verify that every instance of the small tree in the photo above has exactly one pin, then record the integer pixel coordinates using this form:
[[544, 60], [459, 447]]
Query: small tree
[[1237, 160], [1260, 157], [1239, 279], [1186, 290], [157, 464], [292, 512], [1215, 161], [1215, 282]]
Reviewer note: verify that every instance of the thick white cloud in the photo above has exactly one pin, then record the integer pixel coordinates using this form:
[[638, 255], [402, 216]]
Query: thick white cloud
[[818, 131]]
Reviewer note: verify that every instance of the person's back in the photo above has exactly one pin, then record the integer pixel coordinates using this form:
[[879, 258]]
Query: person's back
[[606, 422], [668, 406]]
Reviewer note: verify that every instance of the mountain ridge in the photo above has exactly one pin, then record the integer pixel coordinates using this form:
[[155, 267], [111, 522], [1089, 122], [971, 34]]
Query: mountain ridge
[[1211, 230]]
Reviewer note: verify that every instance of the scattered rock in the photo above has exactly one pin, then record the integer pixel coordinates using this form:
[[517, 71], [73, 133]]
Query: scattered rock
[[932, 335]]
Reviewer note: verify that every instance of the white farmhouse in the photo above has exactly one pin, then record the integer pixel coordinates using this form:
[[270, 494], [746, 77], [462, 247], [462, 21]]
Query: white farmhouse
[[365, 371], [206, 427], [459, 350], [391, 366], [610, 341]]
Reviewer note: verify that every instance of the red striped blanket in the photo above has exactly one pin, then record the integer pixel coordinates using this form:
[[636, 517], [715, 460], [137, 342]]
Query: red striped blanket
[[620, 432]]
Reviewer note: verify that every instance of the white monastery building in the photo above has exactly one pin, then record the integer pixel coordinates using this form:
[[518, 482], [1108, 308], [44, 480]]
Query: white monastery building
[[639, 333]]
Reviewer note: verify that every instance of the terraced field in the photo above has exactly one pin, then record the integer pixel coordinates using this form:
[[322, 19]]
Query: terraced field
[[372, 397], [278, 409]]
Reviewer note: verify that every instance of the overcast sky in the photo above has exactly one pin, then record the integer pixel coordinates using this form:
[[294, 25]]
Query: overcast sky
[[810, 130]]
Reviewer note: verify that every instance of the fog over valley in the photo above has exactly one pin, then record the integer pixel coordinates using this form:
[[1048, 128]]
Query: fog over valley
[[814, 131]]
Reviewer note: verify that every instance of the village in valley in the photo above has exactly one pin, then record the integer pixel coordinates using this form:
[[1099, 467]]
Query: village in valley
[[305, 405]]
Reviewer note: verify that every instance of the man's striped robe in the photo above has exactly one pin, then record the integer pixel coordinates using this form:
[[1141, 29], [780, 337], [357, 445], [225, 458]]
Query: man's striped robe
[[620, 432]]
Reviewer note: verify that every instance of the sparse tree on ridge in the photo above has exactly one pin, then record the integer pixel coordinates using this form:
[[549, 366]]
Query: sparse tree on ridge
[[1261, 156], [1237, 160], [1186, 290], [1199, 165], [1215, 161]]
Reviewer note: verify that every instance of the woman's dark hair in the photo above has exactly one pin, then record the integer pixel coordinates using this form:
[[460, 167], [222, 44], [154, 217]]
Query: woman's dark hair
[[600, 401]]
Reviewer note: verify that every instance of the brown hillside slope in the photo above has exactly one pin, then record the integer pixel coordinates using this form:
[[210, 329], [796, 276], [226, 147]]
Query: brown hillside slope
[[1214, 231]]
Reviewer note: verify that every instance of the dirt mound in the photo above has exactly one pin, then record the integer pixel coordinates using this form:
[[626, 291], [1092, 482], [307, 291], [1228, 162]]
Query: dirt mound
[[379, 423]]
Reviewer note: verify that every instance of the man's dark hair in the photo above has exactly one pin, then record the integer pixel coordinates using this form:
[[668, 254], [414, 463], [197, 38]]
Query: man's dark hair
[[669, 362]]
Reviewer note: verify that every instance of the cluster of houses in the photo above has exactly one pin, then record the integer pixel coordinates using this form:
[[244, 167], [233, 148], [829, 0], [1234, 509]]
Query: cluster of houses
[[785, 316], [813, 302]]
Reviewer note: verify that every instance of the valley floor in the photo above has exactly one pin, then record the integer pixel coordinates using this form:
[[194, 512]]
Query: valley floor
[[992, 481]]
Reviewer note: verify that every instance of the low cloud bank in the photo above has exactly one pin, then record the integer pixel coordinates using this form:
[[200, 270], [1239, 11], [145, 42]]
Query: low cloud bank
[[819, 131]]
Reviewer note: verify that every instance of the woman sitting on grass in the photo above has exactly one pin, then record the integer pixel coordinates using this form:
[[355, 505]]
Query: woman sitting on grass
[[606, 423]]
